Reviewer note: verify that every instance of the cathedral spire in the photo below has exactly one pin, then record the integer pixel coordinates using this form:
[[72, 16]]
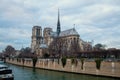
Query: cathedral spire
[[58, 24]]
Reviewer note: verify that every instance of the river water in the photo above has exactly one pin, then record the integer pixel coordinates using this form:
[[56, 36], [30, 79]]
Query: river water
[[24, 73]]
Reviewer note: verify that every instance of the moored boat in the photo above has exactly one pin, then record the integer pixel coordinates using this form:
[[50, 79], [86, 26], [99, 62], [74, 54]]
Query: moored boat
[[6, 73]]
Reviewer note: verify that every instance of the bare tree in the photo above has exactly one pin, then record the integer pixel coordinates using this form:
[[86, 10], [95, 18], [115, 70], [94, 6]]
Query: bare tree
[[25, 52], [57, 48], [62, 47], [74, 48], [99, 46], [9, 51]]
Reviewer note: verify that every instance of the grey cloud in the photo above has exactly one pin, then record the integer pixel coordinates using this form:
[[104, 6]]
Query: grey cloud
[[94, 20]]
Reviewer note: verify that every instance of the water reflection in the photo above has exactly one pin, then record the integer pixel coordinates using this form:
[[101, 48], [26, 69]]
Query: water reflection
[[23, 73]]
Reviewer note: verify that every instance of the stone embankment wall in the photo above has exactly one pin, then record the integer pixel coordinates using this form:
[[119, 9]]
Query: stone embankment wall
[[111, 69]]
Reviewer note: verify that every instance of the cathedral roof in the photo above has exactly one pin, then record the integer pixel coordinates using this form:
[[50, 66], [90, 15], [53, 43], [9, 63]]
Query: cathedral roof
[[53, 34], [69, 32]]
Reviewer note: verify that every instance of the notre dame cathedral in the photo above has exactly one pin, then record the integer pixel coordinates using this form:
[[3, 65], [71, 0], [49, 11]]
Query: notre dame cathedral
[[57, 42]]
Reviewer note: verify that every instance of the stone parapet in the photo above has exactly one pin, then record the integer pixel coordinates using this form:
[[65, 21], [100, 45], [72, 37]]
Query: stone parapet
[[109, 69]]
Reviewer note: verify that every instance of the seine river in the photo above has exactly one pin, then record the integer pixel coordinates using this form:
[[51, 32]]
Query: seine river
[[24, 73]]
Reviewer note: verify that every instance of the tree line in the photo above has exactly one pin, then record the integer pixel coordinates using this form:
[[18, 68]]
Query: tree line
[[10, 51], [60, 48]]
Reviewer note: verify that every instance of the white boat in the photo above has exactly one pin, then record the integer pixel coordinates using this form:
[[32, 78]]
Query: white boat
[[6, 73]]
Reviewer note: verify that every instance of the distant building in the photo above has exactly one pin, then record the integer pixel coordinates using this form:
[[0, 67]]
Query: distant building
[[40, 43], [17, 52]]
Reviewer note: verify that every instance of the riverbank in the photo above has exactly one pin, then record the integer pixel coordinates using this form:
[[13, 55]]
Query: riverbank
[[108, 69]]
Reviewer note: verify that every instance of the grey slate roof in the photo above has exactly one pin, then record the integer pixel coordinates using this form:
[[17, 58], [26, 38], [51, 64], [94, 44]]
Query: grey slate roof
[[53, 34], [69, 32]]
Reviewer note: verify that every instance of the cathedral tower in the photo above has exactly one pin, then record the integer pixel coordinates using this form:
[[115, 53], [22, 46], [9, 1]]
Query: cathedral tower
[[47, 35], [58, 24], [36, 37]]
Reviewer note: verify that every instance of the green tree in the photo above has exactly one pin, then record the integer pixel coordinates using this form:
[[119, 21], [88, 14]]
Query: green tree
[[74, 61], [34, 59], [63, 60], [82, 62], [98, 63]]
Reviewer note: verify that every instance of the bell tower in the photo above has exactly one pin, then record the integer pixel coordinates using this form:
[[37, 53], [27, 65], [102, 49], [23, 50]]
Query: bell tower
[[47, 35], [36, 37]]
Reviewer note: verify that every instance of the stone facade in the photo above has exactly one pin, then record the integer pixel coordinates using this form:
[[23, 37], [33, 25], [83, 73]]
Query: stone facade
[[47, 36], [69, 36], [36, 37]]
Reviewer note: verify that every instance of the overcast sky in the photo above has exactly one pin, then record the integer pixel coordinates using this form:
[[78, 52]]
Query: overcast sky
[[97, 20]]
